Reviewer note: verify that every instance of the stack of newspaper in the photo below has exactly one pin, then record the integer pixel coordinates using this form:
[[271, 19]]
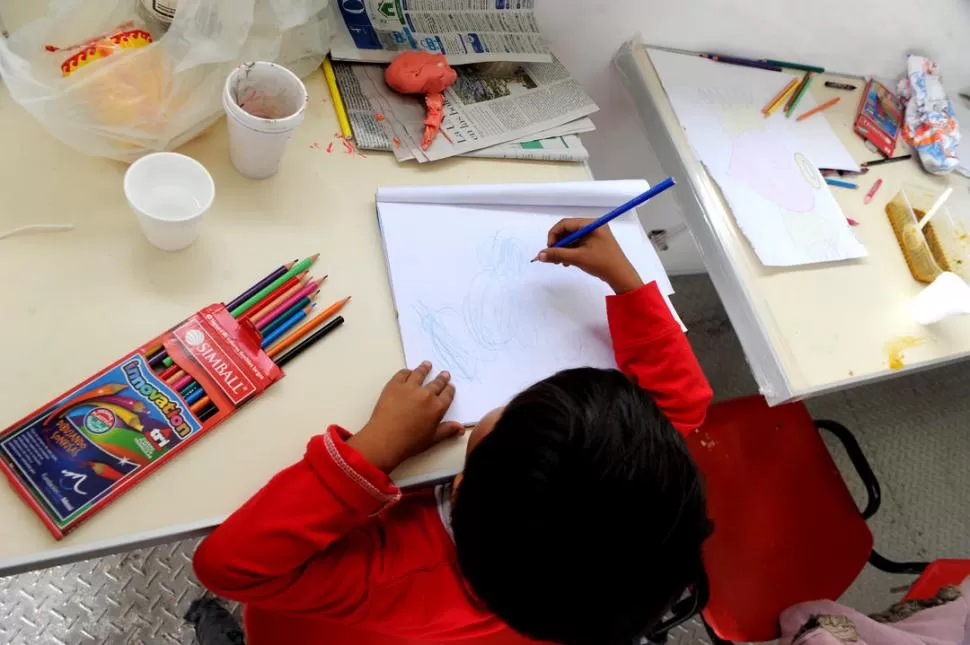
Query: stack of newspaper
[[512, 99]]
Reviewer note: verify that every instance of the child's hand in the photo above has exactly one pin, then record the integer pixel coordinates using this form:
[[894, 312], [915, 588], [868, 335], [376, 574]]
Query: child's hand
[[597, 254], [407, 418]]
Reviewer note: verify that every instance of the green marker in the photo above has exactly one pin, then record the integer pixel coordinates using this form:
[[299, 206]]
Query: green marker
[[798, 95], [798, 66], [299, 267]]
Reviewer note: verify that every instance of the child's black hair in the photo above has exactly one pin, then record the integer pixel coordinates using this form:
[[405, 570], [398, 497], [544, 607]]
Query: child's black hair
[[580, 517]]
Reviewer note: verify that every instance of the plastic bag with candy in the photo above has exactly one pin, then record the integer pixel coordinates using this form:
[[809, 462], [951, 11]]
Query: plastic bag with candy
[[930, 125]]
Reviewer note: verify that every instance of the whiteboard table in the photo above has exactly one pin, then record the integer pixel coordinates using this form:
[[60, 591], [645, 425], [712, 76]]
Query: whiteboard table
[[806, 330], [76, 301]]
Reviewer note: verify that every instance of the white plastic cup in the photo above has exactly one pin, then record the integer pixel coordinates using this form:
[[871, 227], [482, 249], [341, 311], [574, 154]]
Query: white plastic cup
[[264, 104], [169, 192]]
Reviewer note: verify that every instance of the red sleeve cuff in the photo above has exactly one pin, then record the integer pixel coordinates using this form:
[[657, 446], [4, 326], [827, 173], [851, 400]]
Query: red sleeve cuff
[[641, 314], [348, 475]]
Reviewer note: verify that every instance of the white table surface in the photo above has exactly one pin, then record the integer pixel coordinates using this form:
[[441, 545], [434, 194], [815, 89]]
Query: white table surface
[[807, 330], [74, 302]]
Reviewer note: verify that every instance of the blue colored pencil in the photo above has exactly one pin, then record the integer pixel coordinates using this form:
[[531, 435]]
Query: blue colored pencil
[[840, 183], [194, 396], [190, 388], [284, 316], [575, 236], [291, 322]]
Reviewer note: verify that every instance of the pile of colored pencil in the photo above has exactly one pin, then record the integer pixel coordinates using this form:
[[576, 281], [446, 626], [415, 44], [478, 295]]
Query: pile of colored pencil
[[276, 305]]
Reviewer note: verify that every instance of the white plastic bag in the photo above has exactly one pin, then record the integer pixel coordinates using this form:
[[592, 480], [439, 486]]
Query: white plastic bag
[[118, 96]]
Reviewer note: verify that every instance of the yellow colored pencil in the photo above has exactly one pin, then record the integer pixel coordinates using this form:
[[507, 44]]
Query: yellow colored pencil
[[773, 104], [338, 102]]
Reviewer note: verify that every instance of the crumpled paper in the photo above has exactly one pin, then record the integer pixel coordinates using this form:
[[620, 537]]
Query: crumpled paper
[[929, 123]]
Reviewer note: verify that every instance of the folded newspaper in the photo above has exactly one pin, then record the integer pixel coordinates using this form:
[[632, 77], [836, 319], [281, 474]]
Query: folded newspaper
[[488, 114], [466, 31]]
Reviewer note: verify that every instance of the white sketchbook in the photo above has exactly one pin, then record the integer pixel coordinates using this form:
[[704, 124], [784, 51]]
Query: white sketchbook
[[767, 169], [469, 300]]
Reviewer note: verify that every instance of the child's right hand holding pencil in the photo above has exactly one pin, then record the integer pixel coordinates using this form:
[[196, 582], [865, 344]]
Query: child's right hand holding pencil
[[598, 254]]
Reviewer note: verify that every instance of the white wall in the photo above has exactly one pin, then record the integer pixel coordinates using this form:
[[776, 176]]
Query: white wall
[[855, 36]]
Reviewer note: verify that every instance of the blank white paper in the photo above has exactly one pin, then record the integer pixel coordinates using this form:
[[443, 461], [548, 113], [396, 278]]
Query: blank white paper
[[767, 169], [469, 300]]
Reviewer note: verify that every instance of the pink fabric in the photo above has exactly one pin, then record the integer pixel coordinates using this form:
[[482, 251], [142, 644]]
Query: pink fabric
[[948, 624]]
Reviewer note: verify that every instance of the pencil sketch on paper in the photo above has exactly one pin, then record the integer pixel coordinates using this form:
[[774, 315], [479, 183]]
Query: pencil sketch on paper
[[490, 318]]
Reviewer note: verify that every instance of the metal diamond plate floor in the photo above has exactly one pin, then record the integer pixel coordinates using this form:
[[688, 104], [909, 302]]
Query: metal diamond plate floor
[[134, 597], [913, 430]]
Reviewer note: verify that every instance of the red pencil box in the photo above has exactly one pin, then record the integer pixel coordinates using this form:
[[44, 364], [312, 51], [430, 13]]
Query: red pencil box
[[80, 451], [879, 117]]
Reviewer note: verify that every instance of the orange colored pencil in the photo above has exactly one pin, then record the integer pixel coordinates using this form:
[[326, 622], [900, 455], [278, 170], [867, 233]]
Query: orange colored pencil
[[198, 405], [289, 340], [823, 106], [274, 295], [773, 104]]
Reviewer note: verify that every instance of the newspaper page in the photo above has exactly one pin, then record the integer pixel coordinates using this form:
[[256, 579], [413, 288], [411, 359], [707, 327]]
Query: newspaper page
[[466, 31], [564, 148], [480, 110], [371, 131]]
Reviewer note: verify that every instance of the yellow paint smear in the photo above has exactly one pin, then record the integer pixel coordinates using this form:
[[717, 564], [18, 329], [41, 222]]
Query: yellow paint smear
[[896, 347]]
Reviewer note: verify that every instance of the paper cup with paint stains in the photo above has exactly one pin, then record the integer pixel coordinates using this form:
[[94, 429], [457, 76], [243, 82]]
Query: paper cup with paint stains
[[264, 104]]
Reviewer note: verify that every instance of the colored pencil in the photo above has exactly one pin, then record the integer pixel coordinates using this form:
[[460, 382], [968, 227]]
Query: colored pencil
[[280, 347], [207, 413], [182, 382], [277, 322], [743, 62], [816, 110], [275, 296], [260, 311], [180, 379], [797, 96], [287, 325], [194, 397], [313, 286], [776, 100], [338, 101], [238, 300], [872, 191], [199, 404], [257, 306], [799, 66], [299, 267], [309, 340], [155, 361], [791, 90], [159, 358], [169, 372], [840, 183], [203, 403], [192, 387], [879, 162], [613, 214]]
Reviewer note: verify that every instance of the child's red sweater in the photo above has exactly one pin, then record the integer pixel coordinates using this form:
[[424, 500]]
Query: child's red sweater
[[332, 539]]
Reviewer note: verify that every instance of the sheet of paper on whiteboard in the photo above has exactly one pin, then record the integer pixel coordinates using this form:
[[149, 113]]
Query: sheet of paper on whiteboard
[[767, 169], [469, 300]]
